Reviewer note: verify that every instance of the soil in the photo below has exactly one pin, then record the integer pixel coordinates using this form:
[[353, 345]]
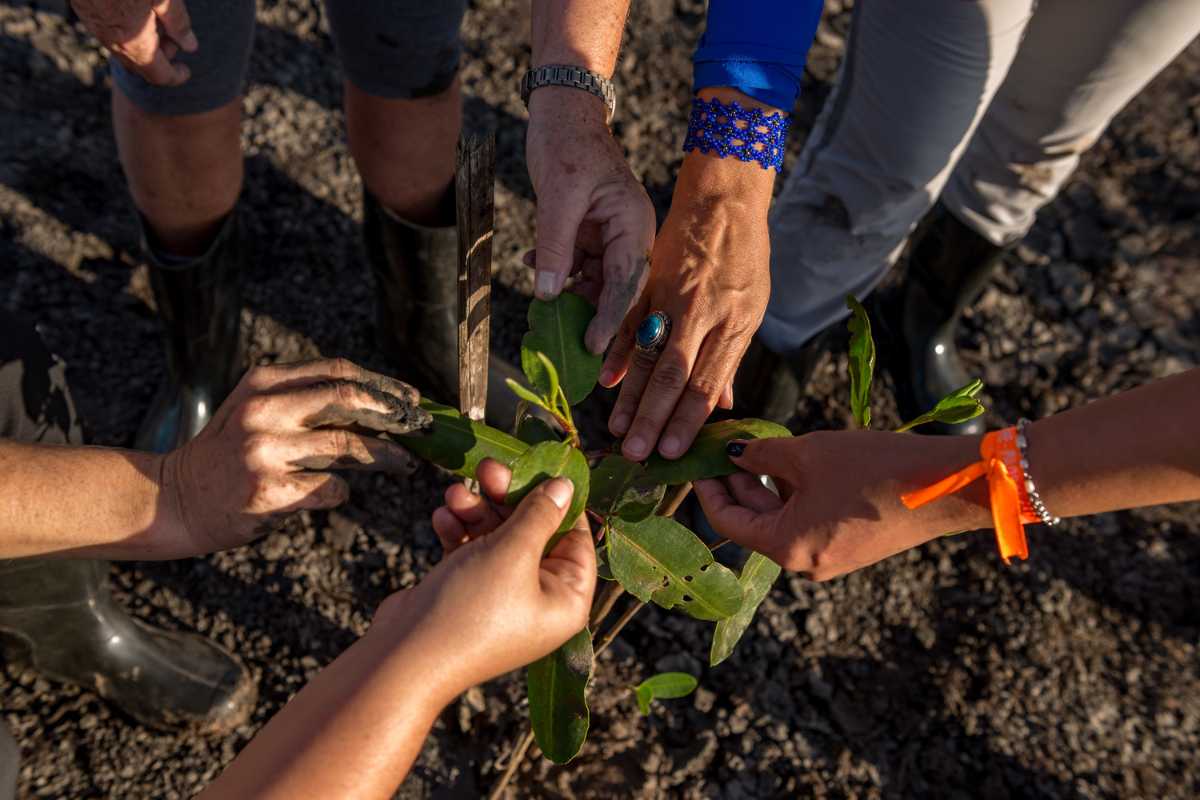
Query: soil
[[940, 673]]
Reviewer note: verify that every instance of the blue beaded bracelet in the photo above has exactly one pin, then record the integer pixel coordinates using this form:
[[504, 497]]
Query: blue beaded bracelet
[[747, 134]]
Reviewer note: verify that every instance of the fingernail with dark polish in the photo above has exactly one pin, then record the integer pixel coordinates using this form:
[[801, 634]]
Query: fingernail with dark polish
[[735, 449]]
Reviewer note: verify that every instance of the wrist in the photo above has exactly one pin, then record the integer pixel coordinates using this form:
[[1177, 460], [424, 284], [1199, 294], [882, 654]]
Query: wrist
[[723, 186], [401, 629], [966, 510], [566, 105], [171, 529]]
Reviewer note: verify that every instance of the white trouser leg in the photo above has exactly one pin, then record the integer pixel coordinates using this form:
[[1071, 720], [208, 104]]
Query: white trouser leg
[[1080, 63], [914, 84]]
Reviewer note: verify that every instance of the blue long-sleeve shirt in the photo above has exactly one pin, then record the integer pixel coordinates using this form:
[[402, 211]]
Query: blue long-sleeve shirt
[[757, 47]]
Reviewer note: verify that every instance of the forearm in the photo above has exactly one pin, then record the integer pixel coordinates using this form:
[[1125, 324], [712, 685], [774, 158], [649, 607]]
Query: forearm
[[581, 33], [1137, 448], [83, 501], [355, 730]]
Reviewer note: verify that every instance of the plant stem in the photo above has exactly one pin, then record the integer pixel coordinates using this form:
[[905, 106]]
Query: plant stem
[[717, 545], [621, 622], [514, 760], [600, 611], [604, 605], [676, 500]]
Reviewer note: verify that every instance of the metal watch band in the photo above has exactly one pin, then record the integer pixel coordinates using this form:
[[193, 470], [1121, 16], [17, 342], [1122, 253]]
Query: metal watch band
[[573, 77]]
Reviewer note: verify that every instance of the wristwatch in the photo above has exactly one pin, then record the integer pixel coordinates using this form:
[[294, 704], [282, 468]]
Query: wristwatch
[[573, 77]]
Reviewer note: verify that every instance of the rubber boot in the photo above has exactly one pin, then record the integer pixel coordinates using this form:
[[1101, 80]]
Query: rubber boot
[[416, 323], [10, 761], [63, 613], [200, 307], [769, 385], [948, 268]]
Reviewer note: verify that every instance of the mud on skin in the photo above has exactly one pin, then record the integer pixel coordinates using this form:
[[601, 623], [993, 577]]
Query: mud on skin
[[940, 673]]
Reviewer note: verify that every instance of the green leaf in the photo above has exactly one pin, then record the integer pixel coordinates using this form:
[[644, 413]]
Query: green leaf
[[619, 487], [551, 460], [659, 560], [526, 394], [862, 362], [707, 457], [458, 444], [556, 328], [602, 570], [955, 408], [758, 575], [534, 430], [557, 689], [664, 686]]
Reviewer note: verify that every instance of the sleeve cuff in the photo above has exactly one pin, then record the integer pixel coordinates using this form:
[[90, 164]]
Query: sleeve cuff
[[771, 83]]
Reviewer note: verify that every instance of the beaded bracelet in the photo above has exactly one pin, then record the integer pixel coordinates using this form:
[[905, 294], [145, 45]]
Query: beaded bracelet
[[747, 134], [1035, 499]]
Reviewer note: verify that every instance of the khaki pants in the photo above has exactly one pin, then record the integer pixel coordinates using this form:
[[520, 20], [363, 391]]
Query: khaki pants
[[986, 104]]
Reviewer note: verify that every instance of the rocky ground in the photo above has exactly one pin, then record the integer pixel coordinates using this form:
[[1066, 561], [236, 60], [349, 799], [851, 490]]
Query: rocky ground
[[941, 673]]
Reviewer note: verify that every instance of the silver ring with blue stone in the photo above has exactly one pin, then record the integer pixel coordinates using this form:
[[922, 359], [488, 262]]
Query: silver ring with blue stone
[[653, 332]]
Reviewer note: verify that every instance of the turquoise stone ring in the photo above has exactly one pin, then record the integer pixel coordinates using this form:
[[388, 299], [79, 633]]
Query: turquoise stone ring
[[653, 332]]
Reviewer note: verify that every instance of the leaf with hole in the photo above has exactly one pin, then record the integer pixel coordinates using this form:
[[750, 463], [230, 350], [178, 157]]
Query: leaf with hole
[[706, 458], [551, 460], [659, 560], [619, 487], [758, 575], [458, 444], [862, 361], [556, 329], [557, 689], [664, 686], [955, 408]]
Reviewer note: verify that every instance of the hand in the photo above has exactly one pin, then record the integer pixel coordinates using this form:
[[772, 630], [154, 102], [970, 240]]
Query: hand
[[839, 505], [593, 216], [494, 604], [266, 451], [710, 274], [130, 29]]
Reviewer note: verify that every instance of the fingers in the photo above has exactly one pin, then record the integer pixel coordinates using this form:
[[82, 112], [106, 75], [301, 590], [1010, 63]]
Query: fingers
[[654, 386], [143, 54], [625, 274], [749, 491], [620, 356], [449, 529], [494, 479], [573, 560], [341, 403], [558, 221], [772, 457], [477, 514], [334, 448], [709, 379], [278, 377], [728, 517], [536, 519], [174, 17]]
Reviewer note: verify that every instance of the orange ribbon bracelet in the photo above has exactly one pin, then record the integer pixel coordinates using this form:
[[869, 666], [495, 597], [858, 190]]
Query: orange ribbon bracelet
[[1011, 508]]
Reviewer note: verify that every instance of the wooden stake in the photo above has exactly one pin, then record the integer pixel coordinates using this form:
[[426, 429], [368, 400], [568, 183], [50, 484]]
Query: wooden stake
[[474, 193]]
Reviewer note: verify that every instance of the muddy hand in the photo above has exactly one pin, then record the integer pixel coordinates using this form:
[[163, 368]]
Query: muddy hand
[[145, 35], [268, 449], [594, 218]]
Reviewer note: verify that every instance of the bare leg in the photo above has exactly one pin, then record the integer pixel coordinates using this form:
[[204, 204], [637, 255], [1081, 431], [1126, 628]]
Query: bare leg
[[184, 171], [405, 149]]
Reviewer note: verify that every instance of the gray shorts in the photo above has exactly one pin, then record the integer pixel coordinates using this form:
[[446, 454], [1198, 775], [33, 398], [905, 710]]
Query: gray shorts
[[389, 48]]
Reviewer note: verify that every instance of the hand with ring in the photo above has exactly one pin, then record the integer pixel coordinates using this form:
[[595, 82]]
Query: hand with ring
[[678, 349]]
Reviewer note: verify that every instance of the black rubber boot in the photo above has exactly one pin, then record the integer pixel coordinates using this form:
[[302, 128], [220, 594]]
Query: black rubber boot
[[948, 267], [416, 321], [63, 613], [10, 761], [769, 385], [200, 306]]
